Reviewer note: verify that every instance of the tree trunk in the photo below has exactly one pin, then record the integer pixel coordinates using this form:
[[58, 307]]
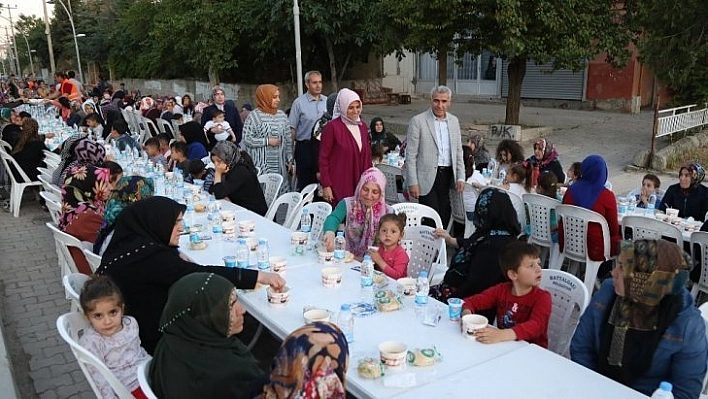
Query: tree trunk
[[213, 75], [442, 63], [516, 73], [332, 64]]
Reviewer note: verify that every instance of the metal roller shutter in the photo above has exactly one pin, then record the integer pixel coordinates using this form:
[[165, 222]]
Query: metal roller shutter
[[562, 84]]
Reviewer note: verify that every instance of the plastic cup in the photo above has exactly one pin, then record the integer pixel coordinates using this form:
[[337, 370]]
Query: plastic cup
[[454, 308], [230, 261]]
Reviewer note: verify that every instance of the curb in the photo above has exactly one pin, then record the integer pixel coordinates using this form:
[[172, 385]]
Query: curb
[[8, 390]]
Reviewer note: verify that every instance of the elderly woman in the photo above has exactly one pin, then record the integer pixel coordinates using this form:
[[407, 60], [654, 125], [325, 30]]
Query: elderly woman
[[126, 191], [345, 152], [235, 178], [85, 152], [144, 261], [642, 326], [218, 98], [689, 196], [589, 192], [266, 135], [475, 266], [545, 158], [67, 157], [360, 214]]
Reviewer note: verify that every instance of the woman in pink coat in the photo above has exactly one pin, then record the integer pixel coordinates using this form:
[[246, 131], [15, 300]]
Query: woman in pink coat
[[345, 151]]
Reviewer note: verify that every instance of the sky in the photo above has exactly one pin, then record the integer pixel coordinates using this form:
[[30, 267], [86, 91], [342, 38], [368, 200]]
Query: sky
[[27, 7]]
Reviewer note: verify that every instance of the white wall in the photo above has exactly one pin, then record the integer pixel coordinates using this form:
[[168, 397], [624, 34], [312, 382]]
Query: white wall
[[399, 75]]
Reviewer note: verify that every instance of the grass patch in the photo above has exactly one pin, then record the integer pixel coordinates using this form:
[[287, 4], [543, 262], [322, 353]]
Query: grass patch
[[678, 159]]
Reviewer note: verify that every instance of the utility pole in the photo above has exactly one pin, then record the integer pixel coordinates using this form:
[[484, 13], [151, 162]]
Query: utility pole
[[48, 32], [10, 55], [14, 42]]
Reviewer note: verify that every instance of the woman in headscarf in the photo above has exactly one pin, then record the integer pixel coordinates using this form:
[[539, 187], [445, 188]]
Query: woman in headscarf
[[28, 152], [316, 138], [187, 104], [144, 260], [127, 190], [266, 135], [642, 327], [379, 136], [475, 266], [245, 110], [689, 196], [83, 199], [219, 102], [235, 178], [90, 107], [345, 152], [67, 157], [193, 135], [589, 192], [545, 158], [360, 214], [479, 151], [86, 152], [311, 363]]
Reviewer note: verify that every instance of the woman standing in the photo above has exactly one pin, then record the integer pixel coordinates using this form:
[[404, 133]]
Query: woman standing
[[689, 196], [235, 178], [266, 135], [143, 259], [545, 158], [642, 326], [345, 152]]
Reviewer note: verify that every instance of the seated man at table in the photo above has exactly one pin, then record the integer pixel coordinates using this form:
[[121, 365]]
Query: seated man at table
[[523, 309]]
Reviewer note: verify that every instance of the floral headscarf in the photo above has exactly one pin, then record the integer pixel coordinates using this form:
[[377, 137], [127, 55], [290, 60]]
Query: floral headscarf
[[549, 152], [363, 223], [128, 190], [67, 156], [86, 152], [344, 98], [86, 188], [696, 171], [311, 363]]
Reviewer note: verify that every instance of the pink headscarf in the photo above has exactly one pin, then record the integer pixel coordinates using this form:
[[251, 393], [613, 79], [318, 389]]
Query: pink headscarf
[[146, 103], [344, 98], [362, 223]]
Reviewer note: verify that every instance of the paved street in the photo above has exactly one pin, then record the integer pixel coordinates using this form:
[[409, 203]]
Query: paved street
[[32, 294]]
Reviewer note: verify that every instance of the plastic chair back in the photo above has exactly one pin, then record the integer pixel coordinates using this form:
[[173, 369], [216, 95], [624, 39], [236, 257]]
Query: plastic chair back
[[292, 200], [319, 212], [308, 193], [49, 186], [165, 127], [93, 260], [646, 228], [17, 187], [71, 327], [457, 206], [270, 183], [416, 212], [144, 379], [569, 298], [699, 255], [391, 190], [53, 204], [539, 209], [73, 284], [422, 248], [518, 204], [63, 241]]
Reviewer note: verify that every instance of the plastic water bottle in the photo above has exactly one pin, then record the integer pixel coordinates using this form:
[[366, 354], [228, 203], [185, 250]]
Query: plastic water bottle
[[242, 254], [263, 254], [367, 279], [179, 179], [211, 207], [422, 288], [651, 204], [664, 391], [305, 221], [189, 215], [340, 247], [502, 176], [345, 322]]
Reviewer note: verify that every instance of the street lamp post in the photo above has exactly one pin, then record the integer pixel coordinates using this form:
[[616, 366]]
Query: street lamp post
[[14, 42], [48, 32], [298, 48], [73, 32]]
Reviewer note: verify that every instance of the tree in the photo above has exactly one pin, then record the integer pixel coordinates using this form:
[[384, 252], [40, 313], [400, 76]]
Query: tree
[[31, 29], [673, 41]]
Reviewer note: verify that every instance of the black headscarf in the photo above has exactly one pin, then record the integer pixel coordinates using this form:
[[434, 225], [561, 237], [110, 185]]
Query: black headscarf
[[376, 137], [494, 215], [193, 132]]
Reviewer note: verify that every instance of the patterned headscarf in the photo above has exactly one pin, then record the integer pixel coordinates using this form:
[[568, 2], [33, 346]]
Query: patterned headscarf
[[344, 98], [86, 188], [549, 152], [363, 223], [86, 152], [696, 171], [67, 156], [128, 190], [264, 98], [311, 363]]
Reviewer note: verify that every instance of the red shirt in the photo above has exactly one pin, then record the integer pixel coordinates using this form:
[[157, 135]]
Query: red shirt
[[397, 261], [527, 315], [605, 205]]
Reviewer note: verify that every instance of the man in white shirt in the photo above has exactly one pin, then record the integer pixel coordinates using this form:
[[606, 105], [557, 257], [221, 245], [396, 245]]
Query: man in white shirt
[[434, 162]]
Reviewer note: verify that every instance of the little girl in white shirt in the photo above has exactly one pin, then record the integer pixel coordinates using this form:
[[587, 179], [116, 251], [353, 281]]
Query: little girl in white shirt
[[474, 178]]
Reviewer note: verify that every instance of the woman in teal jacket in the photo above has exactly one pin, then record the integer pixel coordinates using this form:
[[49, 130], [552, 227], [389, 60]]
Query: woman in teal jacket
[[642, 327]]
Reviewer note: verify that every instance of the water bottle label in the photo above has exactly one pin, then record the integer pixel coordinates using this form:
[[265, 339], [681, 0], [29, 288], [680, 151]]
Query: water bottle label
[[306, 228], [421, 299], [242, 263], [366, 281], [339, 253], [194, 238], [216, 229], [263, 265]]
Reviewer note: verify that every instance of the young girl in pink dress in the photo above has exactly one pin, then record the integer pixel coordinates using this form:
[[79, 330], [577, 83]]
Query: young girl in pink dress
[[391, 258]]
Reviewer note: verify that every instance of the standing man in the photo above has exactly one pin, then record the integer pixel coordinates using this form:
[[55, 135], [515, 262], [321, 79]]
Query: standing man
[[306, 110], [231, 115], [434, 161]]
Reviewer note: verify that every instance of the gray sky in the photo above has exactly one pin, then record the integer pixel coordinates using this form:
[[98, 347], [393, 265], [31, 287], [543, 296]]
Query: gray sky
[[27, 7]]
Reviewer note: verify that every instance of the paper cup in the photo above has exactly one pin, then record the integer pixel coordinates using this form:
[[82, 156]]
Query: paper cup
[[298, 242], [230, 261], [406, 286], [393, 354], [278, 298], [331, 277], [672, 212], [472, 323], [454, 308], [278, 264], [325, 258], [247, 228], [314, 315], [228, 216]]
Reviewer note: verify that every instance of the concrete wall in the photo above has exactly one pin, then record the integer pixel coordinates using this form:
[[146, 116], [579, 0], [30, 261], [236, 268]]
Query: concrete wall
[[399, 75]]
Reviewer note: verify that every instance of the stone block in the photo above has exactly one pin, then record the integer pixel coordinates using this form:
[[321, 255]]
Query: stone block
[[498, 133]]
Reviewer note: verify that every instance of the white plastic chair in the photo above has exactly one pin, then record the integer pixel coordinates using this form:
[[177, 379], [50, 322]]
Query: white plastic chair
[[130, 120], [53, 204], [416, 212], [93, 260], [17, 187], [45, 172], [540, 207], [63, 242], [49, 186], [71, 326], [308, 193], [391, 190], [569, 298], [704, 312], [575, 221], [292, 200], [144, 379], [73, 284], [700, 239], [318, 212], [469, 225], [51, 163], [458, 210], [165, 127], [48, 155], [270, 183], [5, 146], [422, 248], [645, 228]]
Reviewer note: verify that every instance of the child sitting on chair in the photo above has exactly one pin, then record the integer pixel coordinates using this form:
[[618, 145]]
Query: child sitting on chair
[[113, 337], [522, 308], [390, 257], [152, 148], [650, 185]]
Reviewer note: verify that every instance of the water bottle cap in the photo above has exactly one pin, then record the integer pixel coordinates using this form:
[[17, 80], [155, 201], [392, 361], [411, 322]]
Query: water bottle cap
[[367, 257], [242, 241], [262, 241], [305, 212], [346, 307], [666, 386], [340, 234], [423, 273]]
